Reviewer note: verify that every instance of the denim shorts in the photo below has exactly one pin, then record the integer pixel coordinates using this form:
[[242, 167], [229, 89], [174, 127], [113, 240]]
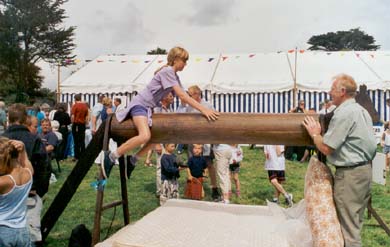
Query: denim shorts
[[139, 110], [14, 237], [386, 149]]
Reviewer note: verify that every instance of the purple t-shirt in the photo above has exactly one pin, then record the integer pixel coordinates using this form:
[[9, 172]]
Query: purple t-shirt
[[150, 97]]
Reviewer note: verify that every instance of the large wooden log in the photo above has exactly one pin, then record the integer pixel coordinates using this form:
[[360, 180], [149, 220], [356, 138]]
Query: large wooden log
[[247, 128]]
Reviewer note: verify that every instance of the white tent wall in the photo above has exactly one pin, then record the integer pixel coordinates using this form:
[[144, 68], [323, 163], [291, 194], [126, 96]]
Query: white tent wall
[[254, 83]]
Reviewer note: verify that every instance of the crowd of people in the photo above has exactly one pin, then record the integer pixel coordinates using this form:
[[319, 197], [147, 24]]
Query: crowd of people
[[29, 139], [31, 136]]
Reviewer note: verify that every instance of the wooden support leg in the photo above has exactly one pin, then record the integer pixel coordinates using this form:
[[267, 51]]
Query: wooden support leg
[[125, 200], [371, 211], [100, 191], [72, 182], [99, 202]]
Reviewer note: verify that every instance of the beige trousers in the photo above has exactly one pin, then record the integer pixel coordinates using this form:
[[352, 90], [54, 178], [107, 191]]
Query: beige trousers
[[222, 165], [352, 187]]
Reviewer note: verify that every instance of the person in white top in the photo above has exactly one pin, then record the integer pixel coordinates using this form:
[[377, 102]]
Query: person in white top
[[16, 174], [275, 165], [385, 143], [234, 167]]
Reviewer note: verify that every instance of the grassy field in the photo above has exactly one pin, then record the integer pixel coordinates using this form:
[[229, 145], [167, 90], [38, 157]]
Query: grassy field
[[255, 189]]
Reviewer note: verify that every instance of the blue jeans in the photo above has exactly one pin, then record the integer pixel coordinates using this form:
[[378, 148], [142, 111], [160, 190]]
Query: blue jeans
[[14, 237]]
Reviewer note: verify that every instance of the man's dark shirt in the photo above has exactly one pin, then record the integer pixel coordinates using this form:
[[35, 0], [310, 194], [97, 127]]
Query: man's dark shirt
[[37, 155]]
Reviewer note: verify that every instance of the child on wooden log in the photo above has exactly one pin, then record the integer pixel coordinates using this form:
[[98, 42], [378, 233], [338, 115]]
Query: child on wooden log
[[140, 108]]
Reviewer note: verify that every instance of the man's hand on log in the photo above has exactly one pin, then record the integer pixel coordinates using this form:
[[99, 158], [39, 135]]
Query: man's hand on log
[[312, 126], [210, 114]]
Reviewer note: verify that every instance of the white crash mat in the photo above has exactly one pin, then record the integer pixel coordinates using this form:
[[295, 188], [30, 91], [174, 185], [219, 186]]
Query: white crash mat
[[197, 223]]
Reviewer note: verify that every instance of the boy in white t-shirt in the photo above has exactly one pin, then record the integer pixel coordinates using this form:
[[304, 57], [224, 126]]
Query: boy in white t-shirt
[[275, 165], [234, 167]]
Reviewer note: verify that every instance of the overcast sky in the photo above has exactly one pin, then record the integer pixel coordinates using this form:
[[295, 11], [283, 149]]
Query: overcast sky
[[215, 26]]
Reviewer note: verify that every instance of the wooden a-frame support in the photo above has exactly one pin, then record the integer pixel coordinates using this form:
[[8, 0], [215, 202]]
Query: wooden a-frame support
[[68, 189]]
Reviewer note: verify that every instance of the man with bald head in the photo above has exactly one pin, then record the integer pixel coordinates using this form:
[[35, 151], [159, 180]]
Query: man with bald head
[[349, 144]]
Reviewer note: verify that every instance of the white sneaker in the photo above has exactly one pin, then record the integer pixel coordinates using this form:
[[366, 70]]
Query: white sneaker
[[289, 200], [225, 201], [53, 178]]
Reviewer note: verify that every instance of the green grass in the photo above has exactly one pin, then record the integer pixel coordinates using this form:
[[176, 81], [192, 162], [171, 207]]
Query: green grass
[[255, 189]]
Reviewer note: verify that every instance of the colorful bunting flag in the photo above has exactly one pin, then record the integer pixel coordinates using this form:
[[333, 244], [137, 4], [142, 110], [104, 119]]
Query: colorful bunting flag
[[328, 53], [147, 61], [357, 54], [198, 59], [160, 61], [123, 61], [210, 59], [237, 57], [372, 55], [135, 61], [224, 58], [251, 55], [99, 61], [291, 51], [301, 51]]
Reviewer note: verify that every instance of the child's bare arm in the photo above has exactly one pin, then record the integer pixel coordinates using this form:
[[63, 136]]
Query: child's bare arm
[[189, 176], [23, 158]]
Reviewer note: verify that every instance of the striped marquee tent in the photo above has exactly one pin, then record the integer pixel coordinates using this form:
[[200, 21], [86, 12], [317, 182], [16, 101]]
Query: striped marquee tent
[[258, 82]]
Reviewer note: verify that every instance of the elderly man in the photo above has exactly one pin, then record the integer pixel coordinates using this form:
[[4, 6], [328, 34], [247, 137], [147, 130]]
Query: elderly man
[[49, 138], [349, 144]]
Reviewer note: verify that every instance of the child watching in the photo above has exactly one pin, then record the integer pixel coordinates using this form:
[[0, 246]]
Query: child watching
[[15, 183], [234, 167], [169, 174], [275, 165], [385, 143], [196, 166]]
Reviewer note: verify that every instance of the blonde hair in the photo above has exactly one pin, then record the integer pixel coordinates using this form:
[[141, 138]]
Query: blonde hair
[[347, 82], [194, 89], [107, 101], [173, 54], [7, 153]]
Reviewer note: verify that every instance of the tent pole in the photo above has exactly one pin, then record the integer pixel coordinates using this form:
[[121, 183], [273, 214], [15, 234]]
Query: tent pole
[[58, 83], [145, 68], [295, 90]]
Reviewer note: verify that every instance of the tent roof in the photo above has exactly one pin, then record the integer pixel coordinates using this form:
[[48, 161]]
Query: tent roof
[[238, 73]]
